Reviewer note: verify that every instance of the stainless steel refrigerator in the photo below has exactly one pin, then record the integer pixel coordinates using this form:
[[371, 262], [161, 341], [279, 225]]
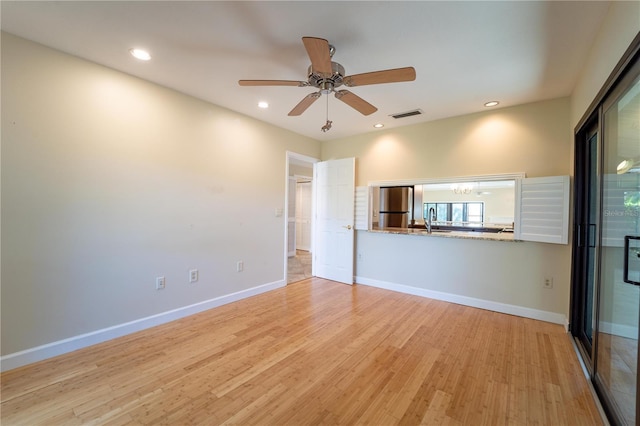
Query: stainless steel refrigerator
[[395, 206]]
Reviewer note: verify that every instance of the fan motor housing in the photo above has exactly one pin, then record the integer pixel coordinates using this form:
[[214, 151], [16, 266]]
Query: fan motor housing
[[326, 82]]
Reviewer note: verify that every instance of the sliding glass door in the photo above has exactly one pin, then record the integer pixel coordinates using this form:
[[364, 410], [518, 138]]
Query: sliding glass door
[[606, 250], [619, 301]]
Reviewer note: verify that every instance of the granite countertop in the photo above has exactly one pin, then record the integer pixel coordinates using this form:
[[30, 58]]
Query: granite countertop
[[470, 235]]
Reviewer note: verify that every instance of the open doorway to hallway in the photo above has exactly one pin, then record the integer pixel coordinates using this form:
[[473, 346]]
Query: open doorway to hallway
[[299, 266], [298, 257]]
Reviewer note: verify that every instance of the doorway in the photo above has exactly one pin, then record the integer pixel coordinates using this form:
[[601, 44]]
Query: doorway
[[299, 253], [298, 258]]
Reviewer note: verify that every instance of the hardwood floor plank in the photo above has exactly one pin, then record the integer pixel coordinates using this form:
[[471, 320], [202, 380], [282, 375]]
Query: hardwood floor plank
[[315, 352]]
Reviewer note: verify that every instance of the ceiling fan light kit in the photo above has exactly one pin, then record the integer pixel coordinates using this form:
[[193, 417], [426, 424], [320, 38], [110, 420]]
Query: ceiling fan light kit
[[326, 75]]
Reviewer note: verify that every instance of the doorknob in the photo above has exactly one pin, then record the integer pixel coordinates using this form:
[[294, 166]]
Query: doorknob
[[348, 227]]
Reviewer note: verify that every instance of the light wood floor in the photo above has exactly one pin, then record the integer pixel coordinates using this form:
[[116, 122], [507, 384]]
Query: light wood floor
[[315, 352]]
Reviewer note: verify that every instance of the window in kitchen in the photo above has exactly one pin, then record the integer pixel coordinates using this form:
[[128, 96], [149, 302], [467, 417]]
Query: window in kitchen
[[459, 214]]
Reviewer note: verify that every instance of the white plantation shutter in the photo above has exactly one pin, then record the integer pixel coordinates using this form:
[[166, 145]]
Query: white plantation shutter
[[361, 219], [542, 209]]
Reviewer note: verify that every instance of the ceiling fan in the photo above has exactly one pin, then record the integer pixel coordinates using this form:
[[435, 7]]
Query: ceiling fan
[[326, 75]]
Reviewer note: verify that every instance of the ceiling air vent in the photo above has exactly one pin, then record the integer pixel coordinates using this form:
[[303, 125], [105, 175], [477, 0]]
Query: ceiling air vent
[[407, 114]]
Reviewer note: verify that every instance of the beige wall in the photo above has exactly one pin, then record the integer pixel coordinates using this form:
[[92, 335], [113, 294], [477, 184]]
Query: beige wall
[[109, 181], [530, 138], [618, 30], [620, 26], [298, 170]]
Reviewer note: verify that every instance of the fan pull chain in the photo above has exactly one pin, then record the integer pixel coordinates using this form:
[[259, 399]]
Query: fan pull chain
[[327, 125]]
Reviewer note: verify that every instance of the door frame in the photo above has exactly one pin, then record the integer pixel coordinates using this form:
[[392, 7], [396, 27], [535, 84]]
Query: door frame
[[581, 235], [291, 159]]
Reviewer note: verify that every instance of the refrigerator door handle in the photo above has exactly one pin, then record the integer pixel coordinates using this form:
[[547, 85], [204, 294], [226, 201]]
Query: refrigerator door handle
[[625, 277]]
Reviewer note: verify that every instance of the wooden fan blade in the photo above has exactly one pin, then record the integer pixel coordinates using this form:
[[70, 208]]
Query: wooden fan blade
[[356, 102], [272, 83], [305, 103], [318, 51], [378, 77]]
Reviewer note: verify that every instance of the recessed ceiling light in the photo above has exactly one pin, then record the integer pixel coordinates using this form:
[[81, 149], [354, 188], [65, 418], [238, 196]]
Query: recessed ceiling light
[[491, 103], [378, 125], [263, 104], [143, 55]]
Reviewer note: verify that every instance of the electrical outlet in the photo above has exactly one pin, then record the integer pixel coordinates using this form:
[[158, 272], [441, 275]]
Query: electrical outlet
[[193, 275], [160, 283], [240, 266], [548, 283], [360, 257]]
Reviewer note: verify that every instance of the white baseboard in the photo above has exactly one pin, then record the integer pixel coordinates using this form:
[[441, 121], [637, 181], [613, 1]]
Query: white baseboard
[[621, 330], [39, 353], [504, 308]]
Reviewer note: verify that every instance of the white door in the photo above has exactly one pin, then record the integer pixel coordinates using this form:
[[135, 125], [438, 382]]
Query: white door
[[335, 182]]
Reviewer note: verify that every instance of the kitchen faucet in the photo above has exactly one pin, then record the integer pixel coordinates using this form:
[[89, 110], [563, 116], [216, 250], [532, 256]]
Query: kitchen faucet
[[430, 217]]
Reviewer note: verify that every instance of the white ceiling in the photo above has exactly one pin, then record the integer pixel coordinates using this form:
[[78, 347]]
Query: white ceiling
[[464, 53]]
